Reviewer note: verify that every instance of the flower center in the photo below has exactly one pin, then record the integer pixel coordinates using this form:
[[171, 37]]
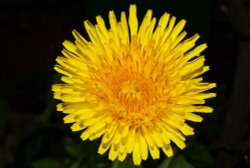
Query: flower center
[[130, 93], [134, 94], [135, 97]]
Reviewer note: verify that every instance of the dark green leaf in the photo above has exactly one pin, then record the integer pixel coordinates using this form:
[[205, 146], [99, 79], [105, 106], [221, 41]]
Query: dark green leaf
[[73, 149], [180, 162], [200, 156], [165, 163]]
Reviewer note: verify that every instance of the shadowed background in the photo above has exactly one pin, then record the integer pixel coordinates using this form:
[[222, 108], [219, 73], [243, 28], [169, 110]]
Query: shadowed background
[[32, 133]]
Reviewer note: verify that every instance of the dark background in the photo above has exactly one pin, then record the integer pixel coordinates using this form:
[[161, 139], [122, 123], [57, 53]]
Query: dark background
[[32, 133]]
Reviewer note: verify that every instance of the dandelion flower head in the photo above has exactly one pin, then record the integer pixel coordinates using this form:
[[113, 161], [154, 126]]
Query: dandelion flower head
[[133, 85]]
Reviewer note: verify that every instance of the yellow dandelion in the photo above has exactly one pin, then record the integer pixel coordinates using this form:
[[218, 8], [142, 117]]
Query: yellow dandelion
[[135, 86]]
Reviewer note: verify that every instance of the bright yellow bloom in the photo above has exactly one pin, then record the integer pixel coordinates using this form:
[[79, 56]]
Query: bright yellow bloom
[[133, 85]]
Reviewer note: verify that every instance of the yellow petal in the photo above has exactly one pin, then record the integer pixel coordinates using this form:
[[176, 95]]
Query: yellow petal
[[177, 29], [63, 71], [161, 25], [154, 151], [204, 109], [187, 130], [133, 22], [196, 52], [145, 23], [79, 125], [143, 147], [104, 146], [168, 31], [131, 140], [193, 117], [124, 28], [92, 34], [96, 127], [113, 153], [122, 156], [69, 46], [167, 149], [59, 107], [108, 136], [102, 28], [204, 95], [136, 152]]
